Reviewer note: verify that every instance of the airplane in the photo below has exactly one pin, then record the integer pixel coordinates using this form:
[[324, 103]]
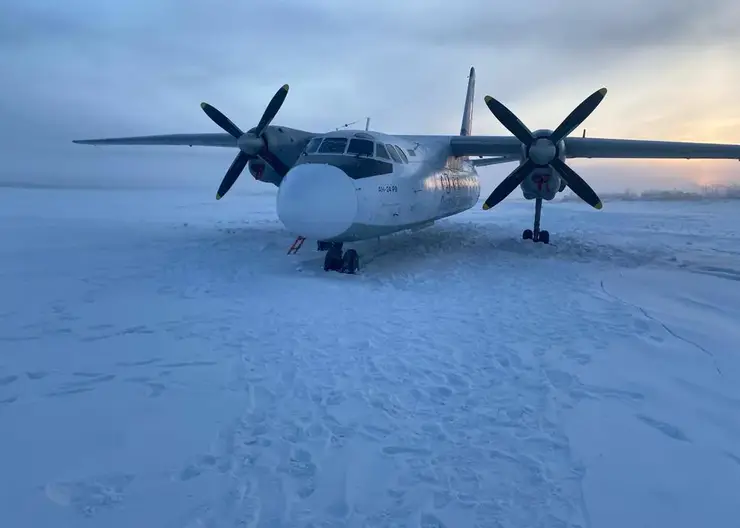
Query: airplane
[[350, 185]]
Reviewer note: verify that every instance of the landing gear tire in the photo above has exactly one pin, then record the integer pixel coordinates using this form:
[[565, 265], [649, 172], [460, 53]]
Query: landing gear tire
[[527, 234], [350, 262], [336, 260], [333, 260], [544, 237]]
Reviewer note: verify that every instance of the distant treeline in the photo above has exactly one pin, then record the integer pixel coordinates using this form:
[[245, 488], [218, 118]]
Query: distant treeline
[[707, 192]]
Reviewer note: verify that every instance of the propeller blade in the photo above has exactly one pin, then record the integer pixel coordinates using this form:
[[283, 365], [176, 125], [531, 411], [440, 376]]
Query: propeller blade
[[510, 121], [272, 109], [507, 186], [236, 168], [221, 120], [577, 184], [274, 162], [578, 116]]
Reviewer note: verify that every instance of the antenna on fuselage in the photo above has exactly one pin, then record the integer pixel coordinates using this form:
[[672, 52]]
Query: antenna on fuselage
[[347, 125]]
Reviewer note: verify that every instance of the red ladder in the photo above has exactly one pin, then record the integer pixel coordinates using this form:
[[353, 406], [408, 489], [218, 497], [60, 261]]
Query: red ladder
[[296, 245]]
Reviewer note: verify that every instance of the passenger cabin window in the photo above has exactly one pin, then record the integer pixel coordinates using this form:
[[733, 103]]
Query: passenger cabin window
[[402, 153], [333, 146], [313, 145], [381, 152], [361, 147], [394, 155]]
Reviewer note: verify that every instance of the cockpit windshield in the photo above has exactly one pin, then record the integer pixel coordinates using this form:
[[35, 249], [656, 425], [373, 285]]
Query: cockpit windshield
[[381, 152], [360, 147], [333, 146], [313, 145]]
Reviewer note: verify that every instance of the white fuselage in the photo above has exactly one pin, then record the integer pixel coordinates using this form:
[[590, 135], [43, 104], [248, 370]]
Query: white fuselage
[[335, 195]]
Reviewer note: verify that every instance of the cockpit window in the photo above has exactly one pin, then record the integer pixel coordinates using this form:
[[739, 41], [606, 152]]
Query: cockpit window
[[313, 145], [381, 152], [333, 146], [402, 153], [394, 155], [392, 151], [361, 147]]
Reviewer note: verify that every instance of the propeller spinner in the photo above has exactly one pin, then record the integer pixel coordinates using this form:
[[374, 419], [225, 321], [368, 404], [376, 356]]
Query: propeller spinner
[[544, 151], [252, 144]]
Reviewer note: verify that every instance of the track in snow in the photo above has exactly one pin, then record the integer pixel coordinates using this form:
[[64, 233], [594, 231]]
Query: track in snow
[[164, 363]]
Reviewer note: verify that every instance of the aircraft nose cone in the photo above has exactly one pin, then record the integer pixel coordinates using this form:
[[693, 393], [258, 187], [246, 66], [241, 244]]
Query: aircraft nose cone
[[317, 201]]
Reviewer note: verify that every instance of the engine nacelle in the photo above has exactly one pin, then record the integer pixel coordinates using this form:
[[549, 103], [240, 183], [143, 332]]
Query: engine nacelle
[[543, 183], [262, 172], [552, 175], [284, 143]]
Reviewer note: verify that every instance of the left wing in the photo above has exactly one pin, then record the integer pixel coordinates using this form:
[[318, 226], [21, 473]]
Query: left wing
[[508, 146], [485, 162], [216, 139]]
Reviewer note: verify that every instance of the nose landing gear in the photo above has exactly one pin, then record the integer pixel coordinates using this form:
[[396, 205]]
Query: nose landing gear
[[336, 260], [536, 235]]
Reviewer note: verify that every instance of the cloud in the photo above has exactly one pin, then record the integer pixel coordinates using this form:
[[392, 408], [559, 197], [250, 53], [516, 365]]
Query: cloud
[[584, 28], [88, 69]]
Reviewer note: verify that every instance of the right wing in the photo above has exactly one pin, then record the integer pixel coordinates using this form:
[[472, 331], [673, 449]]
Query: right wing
[[511, 147], [216, 139], [647, 149]]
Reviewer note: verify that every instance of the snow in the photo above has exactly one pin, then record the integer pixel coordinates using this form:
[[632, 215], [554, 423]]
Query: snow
[[163, 362]]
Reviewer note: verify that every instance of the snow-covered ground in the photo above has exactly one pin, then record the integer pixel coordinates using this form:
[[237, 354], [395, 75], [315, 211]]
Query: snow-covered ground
[[164, 363]]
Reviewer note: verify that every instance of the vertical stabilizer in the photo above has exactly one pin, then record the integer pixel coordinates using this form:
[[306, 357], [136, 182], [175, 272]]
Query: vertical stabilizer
[[467, 120]]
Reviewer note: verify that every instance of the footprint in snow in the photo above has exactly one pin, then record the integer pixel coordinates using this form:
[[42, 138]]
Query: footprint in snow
[[202, 463], [671, 431], [7, 380], [89, 496]]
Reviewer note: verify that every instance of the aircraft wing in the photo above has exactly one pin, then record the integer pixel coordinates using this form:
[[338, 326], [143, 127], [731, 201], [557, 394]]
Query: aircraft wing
[[508, 146], [216, 139], [644, 149], [505, 146], [485, 162]]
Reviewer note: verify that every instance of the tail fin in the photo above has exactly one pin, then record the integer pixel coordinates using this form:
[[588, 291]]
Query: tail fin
[[467, 120]]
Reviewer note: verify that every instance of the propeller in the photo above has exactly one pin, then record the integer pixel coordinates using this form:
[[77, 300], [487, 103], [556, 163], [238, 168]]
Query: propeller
[[252, 144], [544, 151]]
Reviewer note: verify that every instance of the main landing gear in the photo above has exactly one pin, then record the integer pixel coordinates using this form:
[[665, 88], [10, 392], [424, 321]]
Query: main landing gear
[[537, 235], [336, 260]]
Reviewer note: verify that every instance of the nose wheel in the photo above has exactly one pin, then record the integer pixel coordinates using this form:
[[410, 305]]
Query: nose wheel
[[535, 234], [543, 236], [336, 260]]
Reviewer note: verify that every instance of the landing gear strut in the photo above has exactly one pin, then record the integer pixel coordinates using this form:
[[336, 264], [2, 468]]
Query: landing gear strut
[[537, 235], [335, 260]]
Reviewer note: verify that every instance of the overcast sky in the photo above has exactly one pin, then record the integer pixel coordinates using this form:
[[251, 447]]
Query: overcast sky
[[83, 68]]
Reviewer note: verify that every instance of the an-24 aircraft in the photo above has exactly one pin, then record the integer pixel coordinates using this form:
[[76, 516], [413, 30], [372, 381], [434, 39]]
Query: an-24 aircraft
[[351, 185]]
